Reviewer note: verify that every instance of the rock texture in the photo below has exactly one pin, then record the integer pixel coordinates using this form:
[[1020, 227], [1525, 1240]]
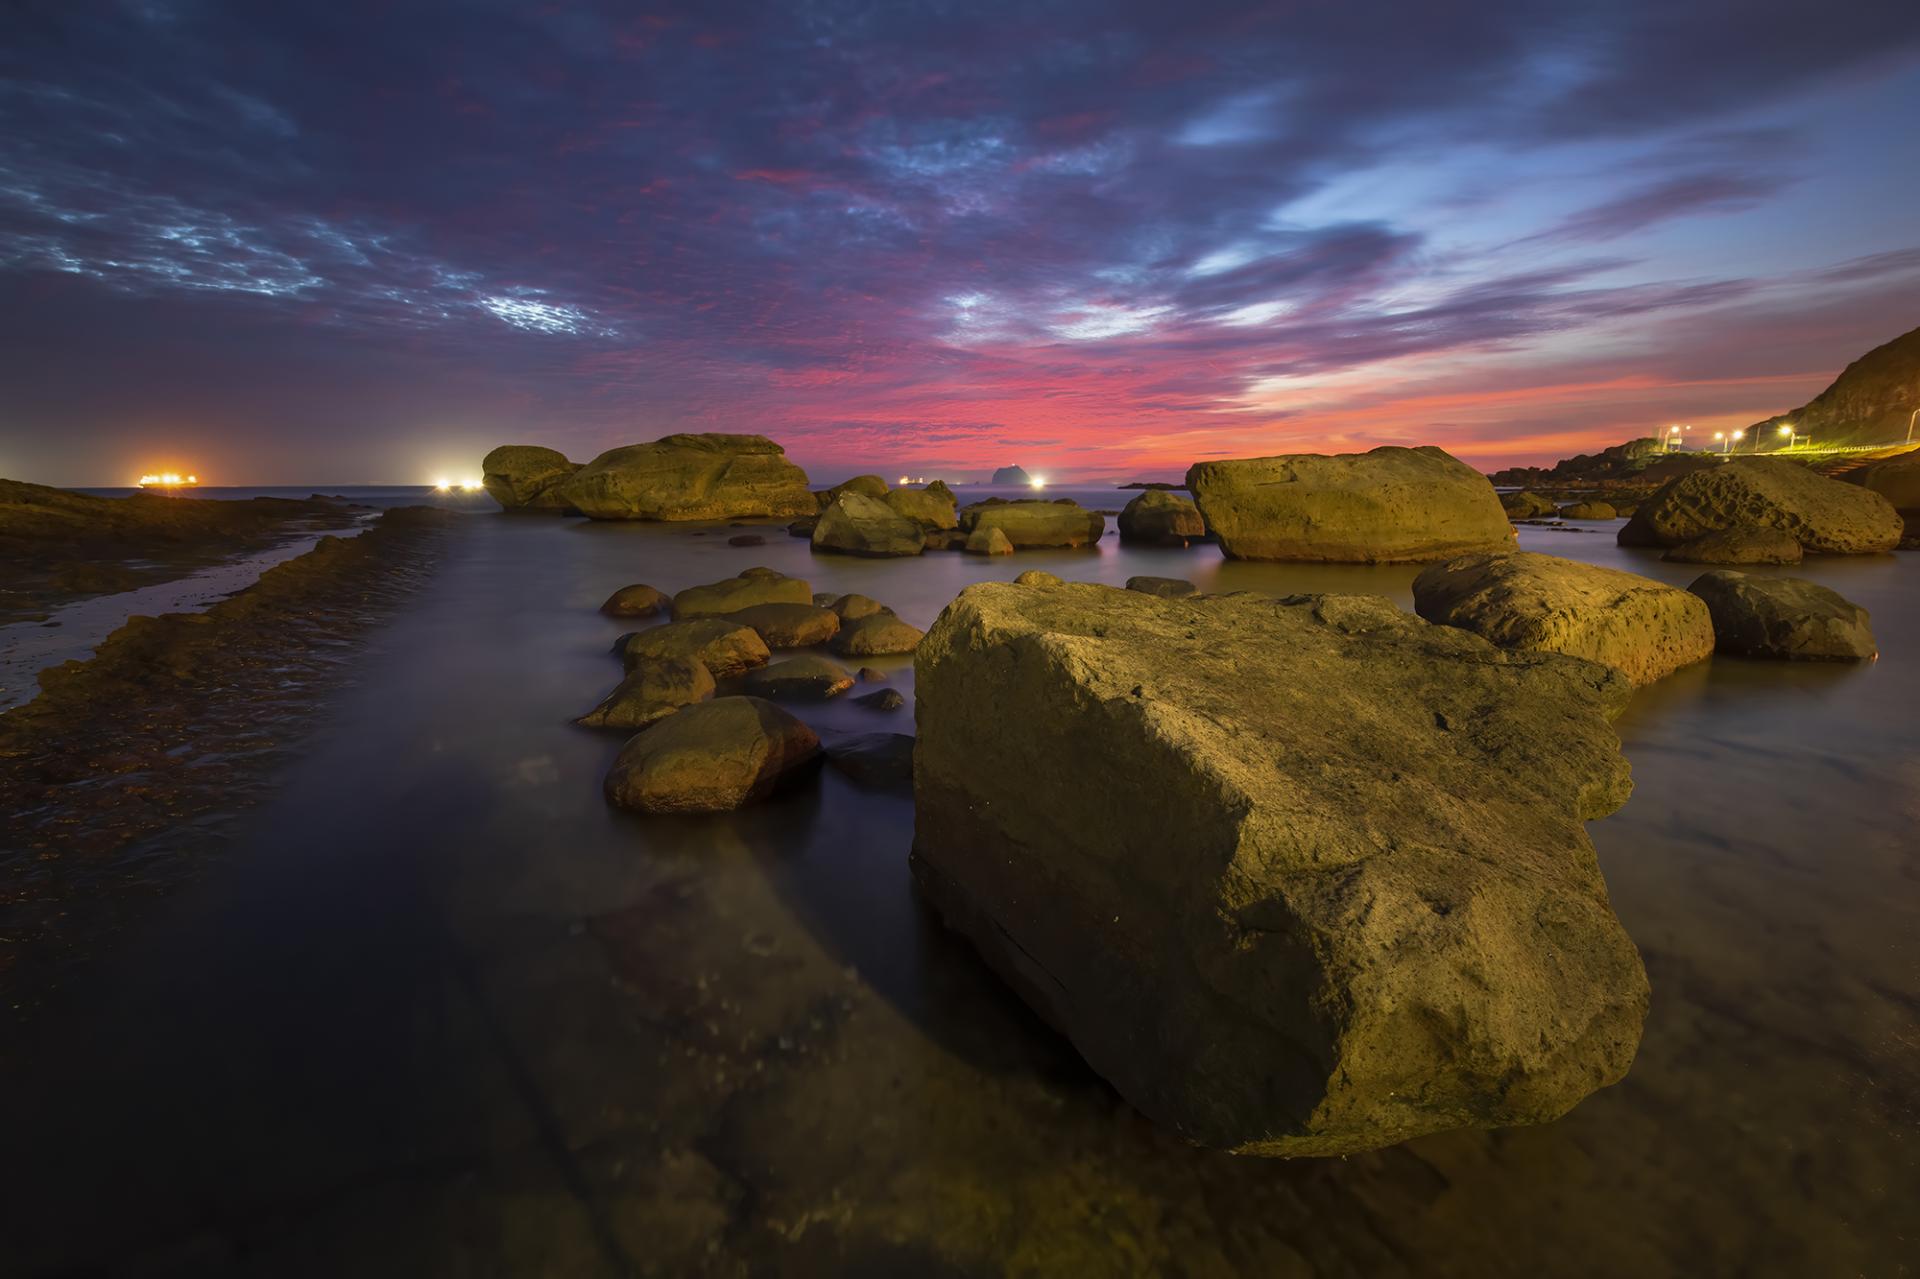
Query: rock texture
[[1527, 506], [866, 485], [853, 607], [1328, 887], [523, 477], [988, 541], [860, 525], [638, 600], [932, 509], [724, 647], [1036, 522], [875, 635], [1898, 480], [1825, 516], [1011, 475], [1159, 518], [711, 758], [1588, 510], [1542, 603], [1390, 505], [690, 477], [1742, 544], [1171, 588], [1784, 617], [654, 690], [805, 679], [790, 625], [731, 594]]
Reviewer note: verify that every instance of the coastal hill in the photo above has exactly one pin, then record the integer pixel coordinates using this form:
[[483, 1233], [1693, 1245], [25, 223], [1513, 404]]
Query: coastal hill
[[1011, 475], [1869, 403]]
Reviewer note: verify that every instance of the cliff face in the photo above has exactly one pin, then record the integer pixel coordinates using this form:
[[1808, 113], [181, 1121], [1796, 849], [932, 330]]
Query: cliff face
[[1867, 404]]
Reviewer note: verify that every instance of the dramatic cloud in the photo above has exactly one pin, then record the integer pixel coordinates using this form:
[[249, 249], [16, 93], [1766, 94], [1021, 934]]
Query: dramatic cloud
[[1098, 237]]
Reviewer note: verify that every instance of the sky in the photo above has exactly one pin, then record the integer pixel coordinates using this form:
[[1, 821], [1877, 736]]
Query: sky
[[360, 242]]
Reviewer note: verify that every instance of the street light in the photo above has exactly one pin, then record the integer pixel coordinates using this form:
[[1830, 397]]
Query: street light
[[1793, 436], [1737, 437]]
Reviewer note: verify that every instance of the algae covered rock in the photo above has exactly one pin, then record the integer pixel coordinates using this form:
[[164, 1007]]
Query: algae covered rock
[[1036, 522], [731, 594], [724, 647], [1521, 600], [690, 477], [1329, 885], [859, 525], [711, 758], [526, 476], [1391, 505], [1784, 617], [1159, 518], [654, 690], [1825, 516], [638, 600], [1742, 544]]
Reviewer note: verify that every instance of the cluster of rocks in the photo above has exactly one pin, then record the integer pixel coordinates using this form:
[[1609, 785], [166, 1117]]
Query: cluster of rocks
[[701, 689], [1750, 495], [864, 517], [677, 477]]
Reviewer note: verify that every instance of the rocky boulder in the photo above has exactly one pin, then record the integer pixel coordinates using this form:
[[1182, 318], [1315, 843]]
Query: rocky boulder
[[1388, 506], [805, 679], [1159, 518], [711, 758], [1742, 544], [1898, 480], [931, 510], [1542, 603], [1329, 887], [525, 477], [875, 635], [988, 541], [1591, 509], [1527, 506], [1784, 617], [731, 594], [790, 625], [654, 690], [690, 477], [859, 525], [1170, 588], [865, 485], [1036, 522], [883, 761], [853, 607], [638, 600], [723, 647], [1825, 516]]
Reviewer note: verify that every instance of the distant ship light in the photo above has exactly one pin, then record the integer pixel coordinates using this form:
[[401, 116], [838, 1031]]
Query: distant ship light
[[1037, 481]]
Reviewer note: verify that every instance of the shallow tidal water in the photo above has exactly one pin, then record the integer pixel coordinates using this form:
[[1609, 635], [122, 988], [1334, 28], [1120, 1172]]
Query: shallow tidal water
[[441, 1011]]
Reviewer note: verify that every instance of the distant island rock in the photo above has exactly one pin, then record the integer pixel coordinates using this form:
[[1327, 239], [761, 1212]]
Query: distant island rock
[[1012, 475]]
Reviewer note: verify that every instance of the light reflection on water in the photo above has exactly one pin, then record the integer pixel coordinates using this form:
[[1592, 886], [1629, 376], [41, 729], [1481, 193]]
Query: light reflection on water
[[442, 1006]]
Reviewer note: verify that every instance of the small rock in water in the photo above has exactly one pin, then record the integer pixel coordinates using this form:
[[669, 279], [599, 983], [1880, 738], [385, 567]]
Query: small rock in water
[[881, 699], [730, 595], [790, 625], [1036, 577], [1784, 617], [874, 759], [1589, 510], [711, 758], [812, 679], [638, 600], [873, 675], [746, 539], [724, 647], [853, 607], [655, 690], [988, 541], [875, 635], [1170, 588]]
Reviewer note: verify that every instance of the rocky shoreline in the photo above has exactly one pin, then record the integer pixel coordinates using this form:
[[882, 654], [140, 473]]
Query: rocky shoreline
[[120, 772]]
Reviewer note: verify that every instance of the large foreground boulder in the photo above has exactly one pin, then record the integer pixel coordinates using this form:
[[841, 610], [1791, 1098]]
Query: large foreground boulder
[[1542, 603], [1327, 886], [711, 758], [1036, 522], [1825, 516], [1160, 518], [1392, 505], [690, 477], [1784, 617], [860, 525], [525, 477]]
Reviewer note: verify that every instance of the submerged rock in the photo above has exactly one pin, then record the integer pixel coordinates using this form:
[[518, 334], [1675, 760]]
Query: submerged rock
[[1521, 600], [1160, 518], [1825, 516], [526, 476], [1784, 617], [988, 541], [654, 690], [1387, 506], [859, 525], [747, 539], [1743, 544], [711, 758], [1165, 587], [690, 477], [1328, 886], [883, 699], [809, 679], [790, 625], [875, 635], [731, 594], [880, 760], [804, 526], [638, 600], [724, 647], [1035, 522]]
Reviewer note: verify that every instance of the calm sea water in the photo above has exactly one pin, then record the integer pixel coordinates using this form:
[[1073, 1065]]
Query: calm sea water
[[441, 1010]]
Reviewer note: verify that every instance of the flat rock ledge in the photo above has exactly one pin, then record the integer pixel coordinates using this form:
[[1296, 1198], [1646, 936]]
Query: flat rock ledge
[[1328, 887], [1542, 603]]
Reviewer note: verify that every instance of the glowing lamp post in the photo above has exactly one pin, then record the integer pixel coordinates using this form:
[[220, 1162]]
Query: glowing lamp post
[[1793, 436]]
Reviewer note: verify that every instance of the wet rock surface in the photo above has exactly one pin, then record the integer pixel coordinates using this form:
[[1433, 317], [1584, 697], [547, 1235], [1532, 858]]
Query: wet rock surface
[[1391, 505], [1784, 617], [875, 635], [860, 525], [1542, 603], [1159, 518], [752, 587], [724, 647], [652, 691], [1165, 587], [638, 600], [1330, 888], [1825, 516], [711, 758], [689, 477], [1035, 522], [801, 679], [790, 625]]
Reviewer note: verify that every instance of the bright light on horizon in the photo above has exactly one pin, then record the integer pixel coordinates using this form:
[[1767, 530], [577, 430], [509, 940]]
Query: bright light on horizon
[[165, 480], [1037, 481]]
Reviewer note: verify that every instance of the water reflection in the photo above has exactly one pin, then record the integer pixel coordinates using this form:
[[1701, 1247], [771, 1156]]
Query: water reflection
[[444, 1009]]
